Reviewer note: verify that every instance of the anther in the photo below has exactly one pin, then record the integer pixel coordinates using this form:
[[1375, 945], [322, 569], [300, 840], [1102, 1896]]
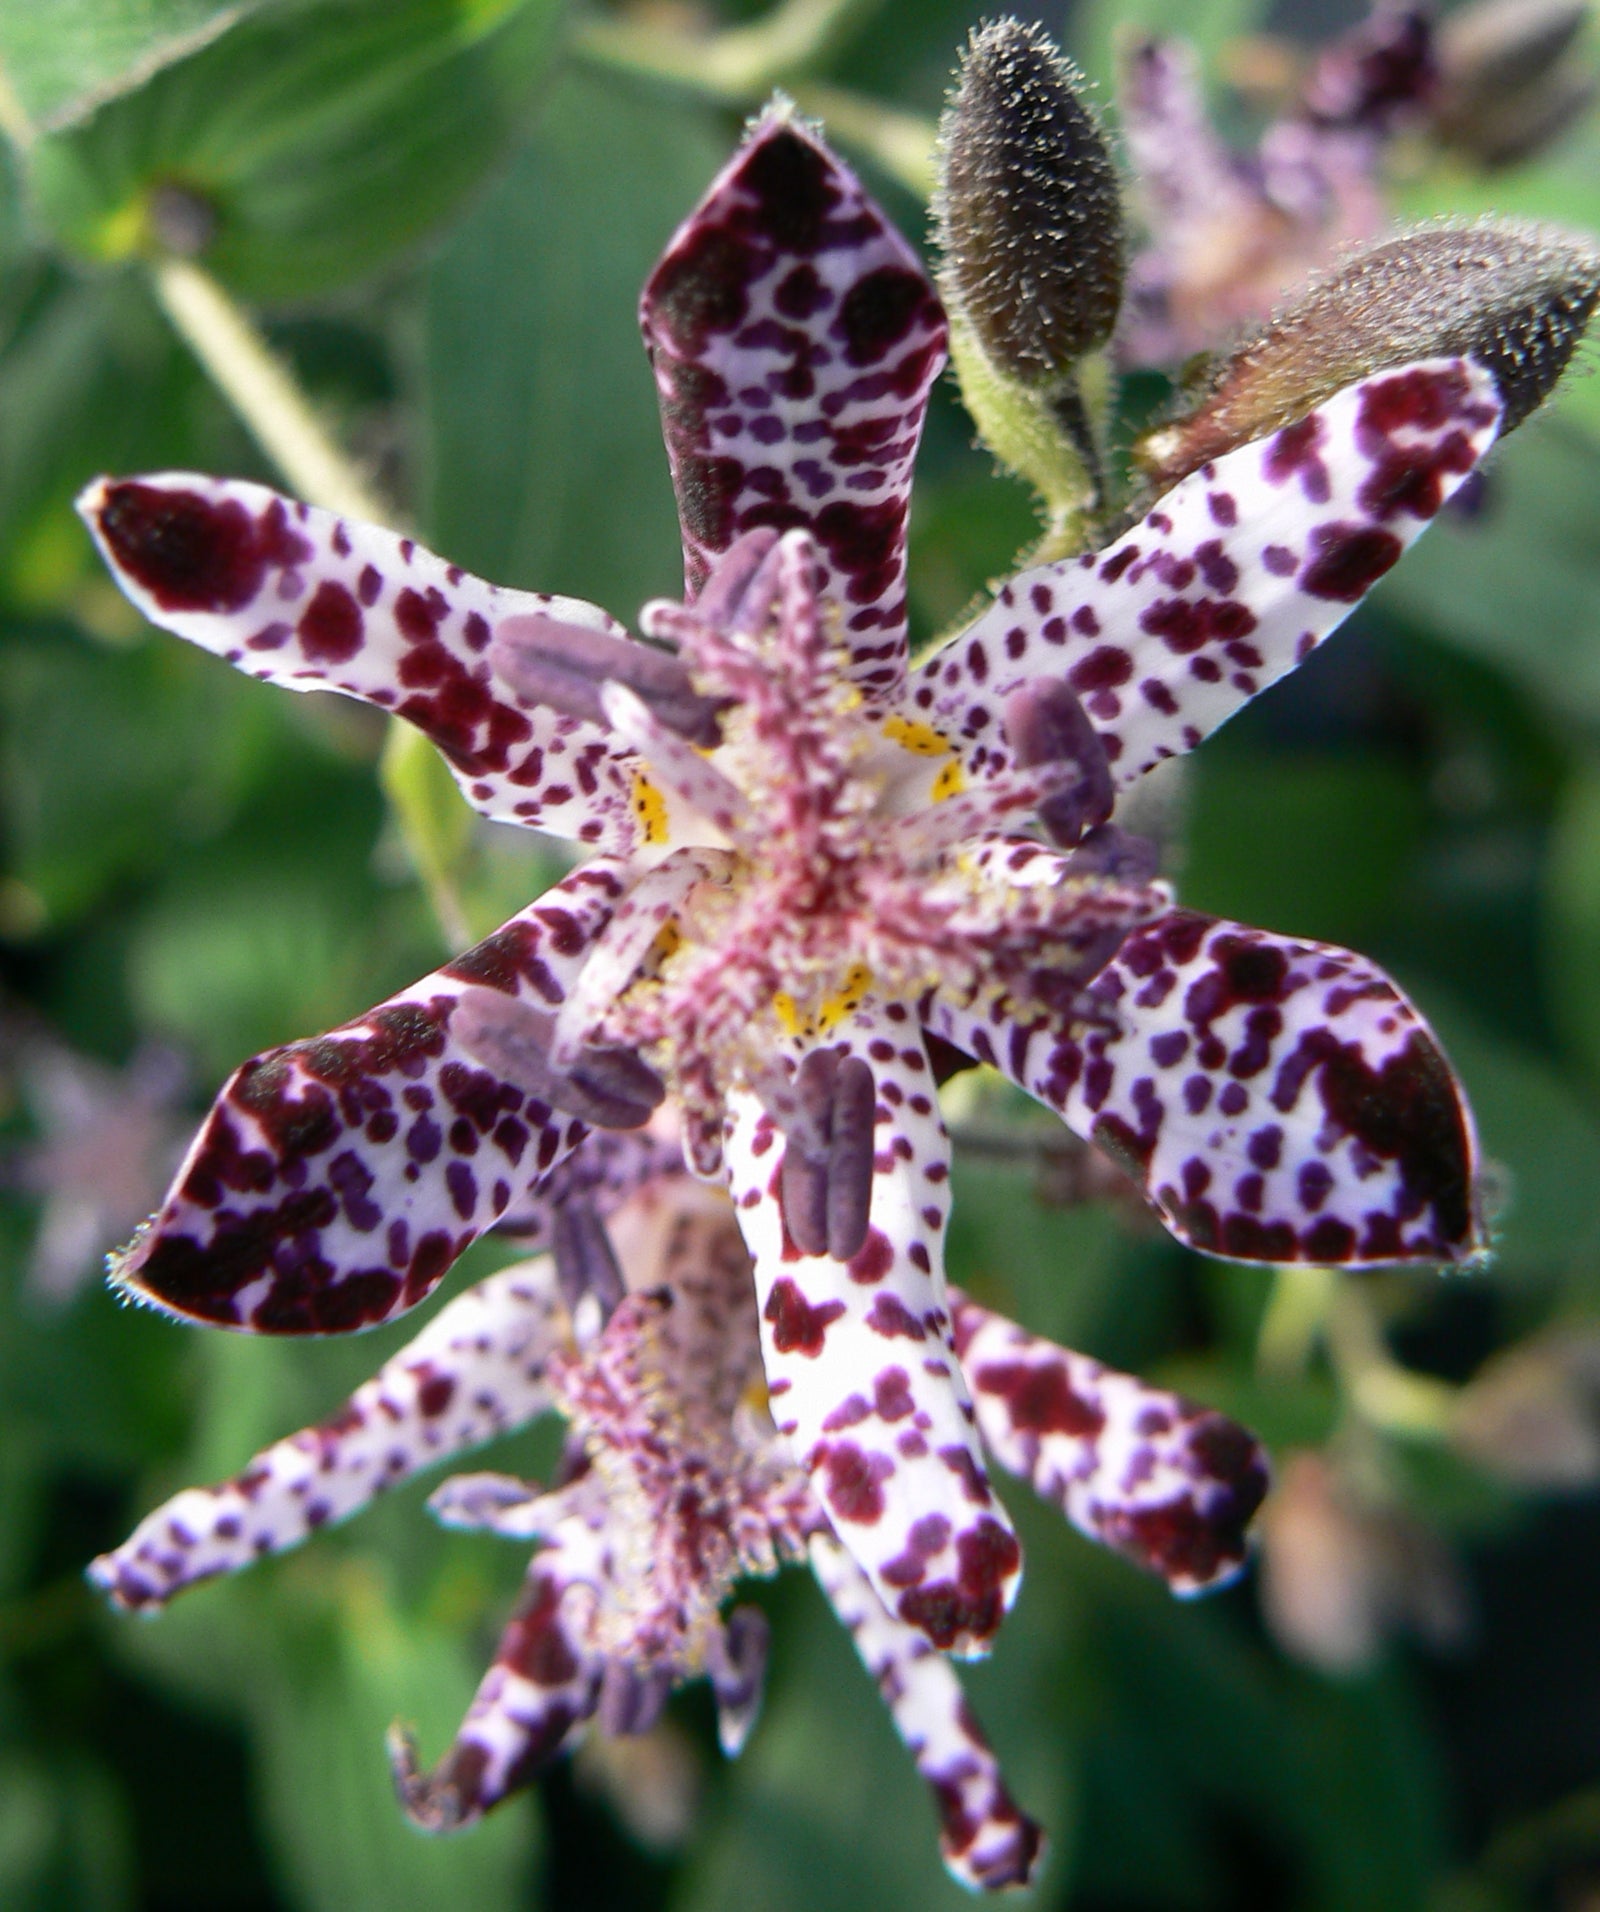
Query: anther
[[608, 1088], [631, 1700], [1046, 724], [1116, 855], [562, 666], [727, 602], [736, 1660], [826, 1182], [587, 1271]]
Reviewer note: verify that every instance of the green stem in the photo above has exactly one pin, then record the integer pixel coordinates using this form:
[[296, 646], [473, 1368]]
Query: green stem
[[735, 65], [1294, 1319], [262, 391], [741, 66], [283, 422], [903, 145], [1388, 1396]]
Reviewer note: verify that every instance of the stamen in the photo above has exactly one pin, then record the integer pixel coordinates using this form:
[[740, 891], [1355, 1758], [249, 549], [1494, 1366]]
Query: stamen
[[850, 1152], [587, 1271], [725, 603], [632, 1699], [1116, 855], [826, 1181], [736, 1662], [563, 666], [673, 760], [1047, 725], [496, 1503], [608, 1088]]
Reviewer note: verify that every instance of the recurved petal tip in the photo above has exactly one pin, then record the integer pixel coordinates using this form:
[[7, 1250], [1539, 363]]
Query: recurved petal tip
[[433, 1802]]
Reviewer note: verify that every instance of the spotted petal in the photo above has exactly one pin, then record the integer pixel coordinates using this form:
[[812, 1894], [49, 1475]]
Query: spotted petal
[[987, 1841], [794, 337], [476, 1370], [1276, 1100], [311, 601], [337, 1179], [1170, 1484], [860, 1365], [543, 1684], [1229, 582]]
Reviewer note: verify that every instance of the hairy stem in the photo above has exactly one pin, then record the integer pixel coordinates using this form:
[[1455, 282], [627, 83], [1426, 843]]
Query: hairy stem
[[262, 391], [429, 813]]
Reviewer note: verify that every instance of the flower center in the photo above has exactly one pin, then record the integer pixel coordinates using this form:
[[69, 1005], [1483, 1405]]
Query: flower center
[[803, 853]]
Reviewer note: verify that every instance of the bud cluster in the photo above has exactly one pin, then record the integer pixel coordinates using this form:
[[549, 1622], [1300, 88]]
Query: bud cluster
[[1030, 222]]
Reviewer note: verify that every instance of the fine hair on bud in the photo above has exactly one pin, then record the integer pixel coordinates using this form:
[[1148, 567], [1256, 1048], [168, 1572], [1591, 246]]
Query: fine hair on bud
[[1028, 212], [1513, 296]]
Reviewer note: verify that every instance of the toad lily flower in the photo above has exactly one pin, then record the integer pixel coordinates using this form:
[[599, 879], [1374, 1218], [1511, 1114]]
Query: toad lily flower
[[675, 1483], [808, 858]]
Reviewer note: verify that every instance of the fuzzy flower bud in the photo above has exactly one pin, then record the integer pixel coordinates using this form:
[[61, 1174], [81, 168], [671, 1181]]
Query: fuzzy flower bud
[[1029, 215], [1515, 297], [1507, 84], [1029, 218]]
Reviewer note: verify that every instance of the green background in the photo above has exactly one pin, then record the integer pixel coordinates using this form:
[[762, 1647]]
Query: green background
[[441, 212]]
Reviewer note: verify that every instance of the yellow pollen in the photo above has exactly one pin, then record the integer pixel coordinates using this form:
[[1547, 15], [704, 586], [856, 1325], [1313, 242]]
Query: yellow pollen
[[829, 1012], [755, 1395], [950, 782], [650, 807], [922, 740], [847, 999]]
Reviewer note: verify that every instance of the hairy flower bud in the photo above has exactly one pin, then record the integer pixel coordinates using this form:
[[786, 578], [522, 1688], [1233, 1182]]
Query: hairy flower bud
[[1514, 297], [1507, 87], [1029, 212]]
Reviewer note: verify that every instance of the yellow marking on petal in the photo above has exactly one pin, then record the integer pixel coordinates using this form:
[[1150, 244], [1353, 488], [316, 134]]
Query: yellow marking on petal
[[846, 1000], [650, 807], [669, 940], [788, 1016], [950, 782], [919, 738]]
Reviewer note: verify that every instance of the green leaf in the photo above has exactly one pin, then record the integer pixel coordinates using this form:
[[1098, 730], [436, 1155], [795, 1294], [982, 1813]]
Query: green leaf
[[545, 466], [824, 1806], [320, 1658], [1328, 857], [307, 145], [65, 58], [1538, 1129], [1572, 914], [1520, 583]]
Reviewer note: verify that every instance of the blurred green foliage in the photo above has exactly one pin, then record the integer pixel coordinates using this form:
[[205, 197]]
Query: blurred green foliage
[[441, 211]]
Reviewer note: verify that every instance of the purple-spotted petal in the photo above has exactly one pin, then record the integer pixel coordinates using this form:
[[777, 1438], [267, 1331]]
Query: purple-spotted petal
[[1276, 1100], [337, 1179], [1228, 583], [1172, 1485], [987, 1841], [311, 601], [861, 1370], [543, 1684], [476, 1370], [794, 337]]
